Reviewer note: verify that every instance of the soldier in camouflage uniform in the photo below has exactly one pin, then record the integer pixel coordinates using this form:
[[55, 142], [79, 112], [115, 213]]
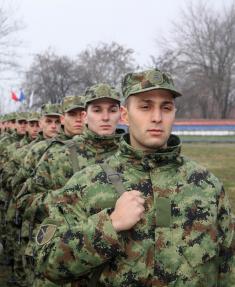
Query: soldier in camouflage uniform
[[72, 121], [14, 157], [50, 125], [73, 116], [99, 140], [16, 152], [21, 139], [9, 124], [11, 136], [7, 145], [148, 216]]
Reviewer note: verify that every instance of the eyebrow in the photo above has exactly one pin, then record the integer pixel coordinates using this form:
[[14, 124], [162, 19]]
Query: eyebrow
[[164, 102], [99, 106]]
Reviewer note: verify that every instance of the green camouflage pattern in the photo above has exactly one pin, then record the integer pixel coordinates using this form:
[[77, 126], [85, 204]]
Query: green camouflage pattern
[[11, 116], [183, 240], [7, 140], [30, 162], [101, 91], [51, 110], [33, 117], [56, 168], [31, 156], [22, 116], [53, 170], [7, 229], [72, 102], [154, 79], [12, 232]]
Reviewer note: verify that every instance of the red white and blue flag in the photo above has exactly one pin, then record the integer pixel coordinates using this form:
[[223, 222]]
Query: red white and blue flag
[[19, 98]]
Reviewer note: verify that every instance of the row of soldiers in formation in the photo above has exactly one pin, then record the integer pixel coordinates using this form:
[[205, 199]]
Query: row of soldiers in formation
[[63, 171], [26, 141]]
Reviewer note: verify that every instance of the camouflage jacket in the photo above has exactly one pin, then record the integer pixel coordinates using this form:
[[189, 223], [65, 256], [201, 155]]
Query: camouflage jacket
[[183, 240], [60, 162], [4, 145], [14, 164], [30, 161]]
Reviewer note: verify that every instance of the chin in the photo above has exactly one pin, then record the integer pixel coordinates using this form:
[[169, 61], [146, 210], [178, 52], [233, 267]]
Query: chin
[[155, 145], [106, 132]]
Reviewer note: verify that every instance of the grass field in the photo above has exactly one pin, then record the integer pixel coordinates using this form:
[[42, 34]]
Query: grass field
[[219, 158]]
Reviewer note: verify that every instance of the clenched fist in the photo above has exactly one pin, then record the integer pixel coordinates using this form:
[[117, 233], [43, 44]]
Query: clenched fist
[[129, 209]]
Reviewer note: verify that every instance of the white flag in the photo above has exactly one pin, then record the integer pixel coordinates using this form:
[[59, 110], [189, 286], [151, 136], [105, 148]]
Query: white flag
[[31, 99]]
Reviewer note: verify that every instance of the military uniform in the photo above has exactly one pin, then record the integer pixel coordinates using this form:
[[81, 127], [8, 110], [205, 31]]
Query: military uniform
[[184, 238], [63, 158], [14, 176]]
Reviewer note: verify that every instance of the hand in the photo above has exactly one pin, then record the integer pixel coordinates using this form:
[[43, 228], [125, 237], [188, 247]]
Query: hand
[[129, 209]]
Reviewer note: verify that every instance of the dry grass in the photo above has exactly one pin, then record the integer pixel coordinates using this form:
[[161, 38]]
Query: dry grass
[[219, 158]]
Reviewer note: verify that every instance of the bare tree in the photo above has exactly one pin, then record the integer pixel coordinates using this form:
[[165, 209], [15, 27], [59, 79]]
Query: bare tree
[[9, 27], [106, 63], [51, 78], [203, 55]]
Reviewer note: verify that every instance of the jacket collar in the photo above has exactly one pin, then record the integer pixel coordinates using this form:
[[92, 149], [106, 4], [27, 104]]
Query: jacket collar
[[147, 161]]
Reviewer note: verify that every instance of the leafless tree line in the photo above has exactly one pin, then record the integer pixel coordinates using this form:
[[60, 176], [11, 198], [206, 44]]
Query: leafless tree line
[[200, 54], [52, 77]]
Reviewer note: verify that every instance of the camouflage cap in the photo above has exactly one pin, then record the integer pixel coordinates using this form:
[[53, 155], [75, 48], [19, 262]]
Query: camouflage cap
[[23, 116], [51, 110], [134, 83], [33, 117], [101, 91], [72, 102], [11, 116]]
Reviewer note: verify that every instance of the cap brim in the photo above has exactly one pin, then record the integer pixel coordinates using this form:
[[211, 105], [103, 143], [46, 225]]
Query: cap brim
[[52, 114], [74, 108], [33, 120], [175, 94], [101, 98]]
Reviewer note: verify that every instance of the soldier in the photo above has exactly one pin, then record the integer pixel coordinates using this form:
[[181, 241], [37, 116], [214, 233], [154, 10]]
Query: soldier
[[14, 152], [9, 124], [32, 129], [99, 140], [146, 217], [50, 124], [9, 137], [23, 137], [73, 116]]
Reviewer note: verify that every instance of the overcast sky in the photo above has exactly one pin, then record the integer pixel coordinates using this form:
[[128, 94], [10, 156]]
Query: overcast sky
[[69, 26]]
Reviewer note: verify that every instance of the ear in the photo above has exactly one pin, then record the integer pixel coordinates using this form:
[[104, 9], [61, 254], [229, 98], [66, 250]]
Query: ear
[[41, 123], [124, 115], [84, 117], [62, 119]]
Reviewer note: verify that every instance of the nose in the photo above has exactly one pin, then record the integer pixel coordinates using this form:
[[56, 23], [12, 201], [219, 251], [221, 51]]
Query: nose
[[156, 115], [105, 116], [53, 125], [79, 118]]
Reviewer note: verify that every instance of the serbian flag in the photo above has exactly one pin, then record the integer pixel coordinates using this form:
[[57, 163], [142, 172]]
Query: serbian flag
[[14, 96]]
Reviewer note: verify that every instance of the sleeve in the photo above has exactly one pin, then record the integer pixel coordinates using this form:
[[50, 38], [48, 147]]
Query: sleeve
[[71, 243], [24, 172]]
